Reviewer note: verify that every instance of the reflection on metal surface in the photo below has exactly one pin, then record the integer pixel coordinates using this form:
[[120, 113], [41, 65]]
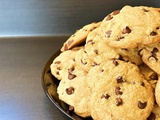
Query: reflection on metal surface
[[50, 84]]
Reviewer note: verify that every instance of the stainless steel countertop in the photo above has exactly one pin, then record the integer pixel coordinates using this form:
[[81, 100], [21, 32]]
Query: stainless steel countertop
[[56, 17], [28, 30], [21, 93]]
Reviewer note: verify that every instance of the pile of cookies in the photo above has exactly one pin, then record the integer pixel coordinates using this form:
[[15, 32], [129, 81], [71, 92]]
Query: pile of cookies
[[110, 70]]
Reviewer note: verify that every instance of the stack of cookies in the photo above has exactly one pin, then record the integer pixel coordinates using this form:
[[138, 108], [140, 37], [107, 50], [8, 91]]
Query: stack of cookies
[[110, 70]]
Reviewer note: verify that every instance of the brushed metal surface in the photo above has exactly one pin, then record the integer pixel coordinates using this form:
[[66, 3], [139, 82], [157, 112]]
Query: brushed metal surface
[[52, 17], [21, 93]]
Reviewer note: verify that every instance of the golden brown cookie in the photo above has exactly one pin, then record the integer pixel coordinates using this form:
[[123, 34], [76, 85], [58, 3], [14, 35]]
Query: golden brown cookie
[[76, 93], [149, 74], [130, 55], [99, 50], [151, 56], [131, 26], [119, 91], [61, 63], [82, 59]]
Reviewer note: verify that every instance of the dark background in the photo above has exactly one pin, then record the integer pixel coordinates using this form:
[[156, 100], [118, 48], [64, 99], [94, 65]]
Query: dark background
[[56, 17]]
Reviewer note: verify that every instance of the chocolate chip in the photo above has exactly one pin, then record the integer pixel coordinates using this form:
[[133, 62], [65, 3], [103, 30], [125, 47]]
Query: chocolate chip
[[71, 108], [115, 62], [109, 17], [58, 68], [154, 76], [115, 12], [120, 58], [150, 58], [139, 52], [120, 79], [94, 64], [90, 41], [96, 51], [145, 10], [131, 62], [126, 30], [153, 54], [142, 84], [93, 28], [58, 62], [124, 49], [102, 70], [119, 101], [83, 62], [154, 51], [85, 30], [71, 69], [70, 90], [57, 73], [65, 47], [133, 82], [152, 116], [71, 76], [142, 105], [70, 42], [108, 33], [119, 38], [117, 91], [84, 51], [153, 33], [106, 96]]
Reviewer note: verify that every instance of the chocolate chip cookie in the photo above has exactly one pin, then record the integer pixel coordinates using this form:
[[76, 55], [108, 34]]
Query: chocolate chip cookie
[[99, 50], [131, 26], [151, 56], [76, 93], [119, 91], [150, 75], [62, 62]]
